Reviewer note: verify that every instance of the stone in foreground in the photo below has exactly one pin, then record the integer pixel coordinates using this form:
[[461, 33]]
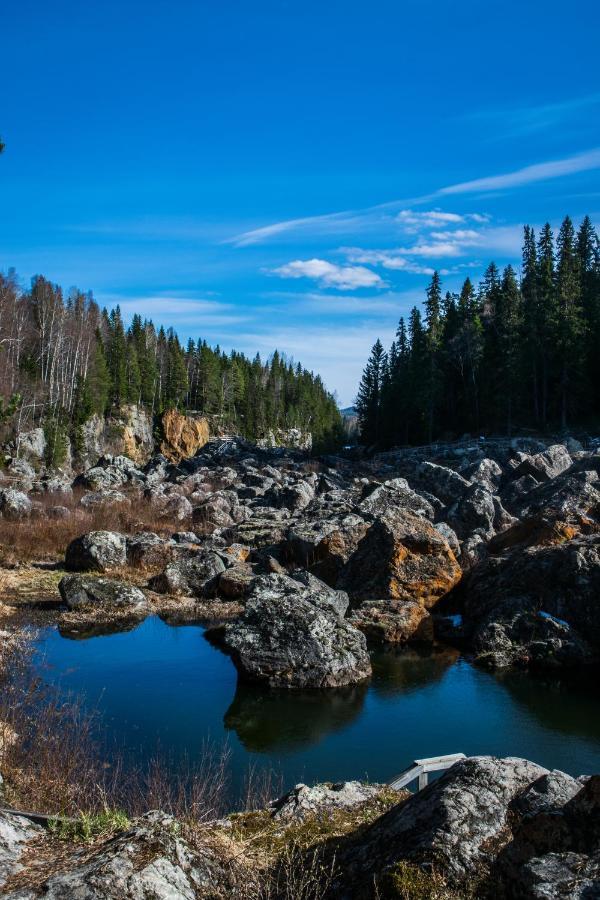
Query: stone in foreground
[[96, 551], [83, 591], [292, 635]]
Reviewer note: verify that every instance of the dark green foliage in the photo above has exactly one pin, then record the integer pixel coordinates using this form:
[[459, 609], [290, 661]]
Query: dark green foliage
[[57, 442], [75, 361], [508, 354]]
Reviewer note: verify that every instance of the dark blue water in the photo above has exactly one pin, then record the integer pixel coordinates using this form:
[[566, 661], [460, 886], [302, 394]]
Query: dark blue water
[[163, 686]]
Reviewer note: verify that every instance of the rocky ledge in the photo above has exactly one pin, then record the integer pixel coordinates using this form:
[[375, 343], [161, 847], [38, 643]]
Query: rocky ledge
[[489, 828]]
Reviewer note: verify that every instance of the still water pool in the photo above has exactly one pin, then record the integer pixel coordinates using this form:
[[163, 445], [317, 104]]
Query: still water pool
[[168, 687]]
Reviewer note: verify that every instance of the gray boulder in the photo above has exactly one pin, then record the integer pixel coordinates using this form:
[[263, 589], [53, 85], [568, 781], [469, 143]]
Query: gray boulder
[[15, 834], [195, 576], [546, 465], [537, 605], [96, 499], [150, 861], [303, 801], [14, 504], [79, 591], [291, 636], [444, 483], [96, 551], [396, 494]]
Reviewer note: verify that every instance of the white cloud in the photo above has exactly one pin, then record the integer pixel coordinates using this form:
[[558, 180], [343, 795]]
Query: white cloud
[[329, 274], [433, 218], [377, 215], [581, 162]]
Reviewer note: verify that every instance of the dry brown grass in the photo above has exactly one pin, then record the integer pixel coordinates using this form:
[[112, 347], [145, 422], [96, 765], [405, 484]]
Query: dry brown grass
[[43, 539]]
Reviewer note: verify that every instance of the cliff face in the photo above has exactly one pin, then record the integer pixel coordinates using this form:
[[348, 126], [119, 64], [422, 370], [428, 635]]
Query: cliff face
[[183, 435]]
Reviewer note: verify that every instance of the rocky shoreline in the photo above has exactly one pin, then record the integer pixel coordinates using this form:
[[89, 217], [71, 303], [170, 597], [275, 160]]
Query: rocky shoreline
[[297, 565], [493, 546], [489, 827]]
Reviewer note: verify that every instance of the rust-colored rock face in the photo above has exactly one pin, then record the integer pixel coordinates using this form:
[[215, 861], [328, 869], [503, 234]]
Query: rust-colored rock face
[[183, 436], [399, 571]]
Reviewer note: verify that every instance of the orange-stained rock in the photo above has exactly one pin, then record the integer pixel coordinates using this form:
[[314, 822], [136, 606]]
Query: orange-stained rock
[[183, 435], [394, 621], [538, 531], [402, 560]]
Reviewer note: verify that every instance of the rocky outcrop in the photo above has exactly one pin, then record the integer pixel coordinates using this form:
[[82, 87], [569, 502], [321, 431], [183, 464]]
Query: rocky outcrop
[[126, 432], [150, 860], [293, 635], [487, 827], [183, 435], [537, 605], [303, 801], [96, 551], [401, 560]]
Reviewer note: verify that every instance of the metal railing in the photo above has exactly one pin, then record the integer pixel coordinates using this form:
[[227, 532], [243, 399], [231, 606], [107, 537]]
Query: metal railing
[[419, 770]]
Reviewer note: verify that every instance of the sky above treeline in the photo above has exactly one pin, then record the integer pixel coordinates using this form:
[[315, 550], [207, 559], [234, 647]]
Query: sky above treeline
[[275, 174]]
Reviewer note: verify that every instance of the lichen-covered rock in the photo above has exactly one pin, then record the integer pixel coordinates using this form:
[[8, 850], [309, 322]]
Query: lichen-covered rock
[[194, 576], [183, 435], [537, 605], [95, 499], [96, 551], [396, 494], [458, 824], [303, 801], [394, 621], [292, 635], [545, 465], [150, 861], [324, 540], [14, 504], [146, 548], [401, 559], [442, 482], [15, 834], [80, 591]]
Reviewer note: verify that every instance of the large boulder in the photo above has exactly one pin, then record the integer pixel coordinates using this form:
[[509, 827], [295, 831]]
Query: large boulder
[[183, 435], [149, 860], [489, 827], [396, 494], [401, 559], [292, 635], [81, 591], [442, 482], [96, 551], [537, 605], [324, 540], [14, 504], [546, 465], [304, 802], [15, 834], [194, 576]]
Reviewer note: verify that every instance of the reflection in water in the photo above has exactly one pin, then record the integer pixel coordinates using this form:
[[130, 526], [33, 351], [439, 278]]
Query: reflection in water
[[407, 669], [559, 702], [282, 720], [81, 632], [169, 688]]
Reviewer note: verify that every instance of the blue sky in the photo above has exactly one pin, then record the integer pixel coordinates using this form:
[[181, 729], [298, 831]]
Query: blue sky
[[286, 174]]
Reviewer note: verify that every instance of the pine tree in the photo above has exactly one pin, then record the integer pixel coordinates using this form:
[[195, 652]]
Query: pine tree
[[368, 400], [571, 323]]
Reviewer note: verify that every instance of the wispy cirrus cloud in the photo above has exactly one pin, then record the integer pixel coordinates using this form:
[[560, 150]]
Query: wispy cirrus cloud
[[515, 121], [395, 211], [329, 274]]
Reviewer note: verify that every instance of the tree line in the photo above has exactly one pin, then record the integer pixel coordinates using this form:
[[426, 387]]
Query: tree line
[[63, 359], [517, 351]]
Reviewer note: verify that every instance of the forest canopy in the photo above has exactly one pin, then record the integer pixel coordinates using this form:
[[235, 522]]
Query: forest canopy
[[516, 351], [62, 358]]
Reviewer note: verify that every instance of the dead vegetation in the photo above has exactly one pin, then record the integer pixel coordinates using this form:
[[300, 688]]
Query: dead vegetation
[[44, 539]]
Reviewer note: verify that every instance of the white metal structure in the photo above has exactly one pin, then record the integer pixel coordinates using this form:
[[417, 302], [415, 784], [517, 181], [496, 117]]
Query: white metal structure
[[420, 769]]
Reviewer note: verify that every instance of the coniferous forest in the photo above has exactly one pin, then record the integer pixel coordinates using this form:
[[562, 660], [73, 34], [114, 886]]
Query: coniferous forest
[[517, 351], [62, 359]]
